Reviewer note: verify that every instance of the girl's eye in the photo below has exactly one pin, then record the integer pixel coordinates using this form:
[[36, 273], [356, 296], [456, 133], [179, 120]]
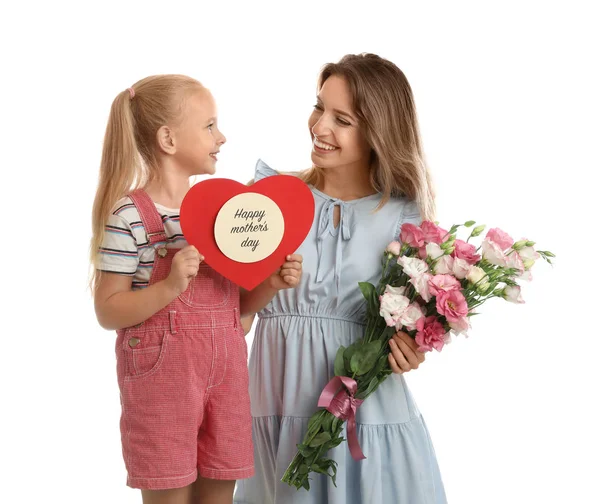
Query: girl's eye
[[343, 122], [318, 107], [210, 126]]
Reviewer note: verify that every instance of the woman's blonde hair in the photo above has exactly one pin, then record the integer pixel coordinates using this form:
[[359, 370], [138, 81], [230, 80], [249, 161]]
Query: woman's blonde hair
[[384, 104], [129, 154]]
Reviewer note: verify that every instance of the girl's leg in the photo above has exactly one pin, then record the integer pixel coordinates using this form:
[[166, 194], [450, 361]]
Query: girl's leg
[[211, 491], [172, 496]]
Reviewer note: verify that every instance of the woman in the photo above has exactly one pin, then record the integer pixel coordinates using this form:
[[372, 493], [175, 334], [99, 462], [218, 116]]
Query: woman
[[368, 178]]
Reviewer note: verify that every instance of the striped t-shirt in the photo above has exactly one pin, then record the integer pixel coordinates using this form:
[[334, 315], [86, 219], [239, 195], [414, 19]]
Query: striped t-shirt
[[125, 249]]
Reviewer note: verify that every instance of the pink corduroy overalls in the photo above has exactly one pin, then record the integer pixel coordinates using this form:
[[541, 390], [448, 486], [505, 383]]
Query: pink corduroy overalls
[[183, 378]]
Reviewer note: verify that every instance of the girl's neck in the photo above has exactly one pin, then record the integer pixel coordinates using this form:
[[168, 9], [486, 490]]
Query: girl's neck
[[169, 190], [346, 183]]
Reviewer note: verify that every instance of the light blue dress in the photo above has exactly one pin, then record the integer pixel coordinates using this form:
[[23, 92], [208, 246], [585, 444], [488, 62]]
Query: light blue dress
[[295, 342]]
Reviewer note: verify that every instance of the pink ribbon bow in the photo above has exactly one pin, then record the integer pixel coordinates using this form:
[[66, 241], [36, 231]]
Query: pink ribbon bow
[[343, 405]]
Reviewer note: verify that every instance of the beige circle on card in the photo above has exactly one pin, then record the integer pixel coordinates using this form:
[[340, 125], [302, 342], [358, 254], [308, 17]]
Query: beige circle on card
[[249, 227]]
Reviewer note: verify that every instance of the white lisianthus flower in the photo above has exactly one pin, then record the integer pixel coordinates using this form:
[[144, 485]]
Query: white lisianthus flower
[[492, 253], [413, 266], [392, 304]]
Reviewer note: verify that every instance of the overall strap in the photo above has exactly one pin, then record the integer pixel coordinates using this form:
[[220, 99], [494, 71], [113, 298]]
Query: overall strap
[[151, 219]]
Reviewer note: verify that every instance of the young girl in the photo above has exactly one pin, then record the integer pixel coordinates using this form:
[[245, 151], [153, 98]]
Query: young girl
[[368, 178], [181, 352]]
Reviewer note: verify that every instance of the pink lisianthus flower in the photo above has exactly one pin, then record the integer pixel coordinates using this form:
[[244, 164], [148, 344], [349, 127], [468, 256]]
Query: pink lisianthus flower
[[529, 256], [432, 232], [443, 283], [500, 238], [526, 276], [460, 268], [476, 276], [412, 235], [444, 265], [394, 248], [493, 253], [392, 304], [430, 334], [460, 326], [513, 260], [409, 317], [434, 251], [512, 293], [466, 251], [452, 305], [421, 285]]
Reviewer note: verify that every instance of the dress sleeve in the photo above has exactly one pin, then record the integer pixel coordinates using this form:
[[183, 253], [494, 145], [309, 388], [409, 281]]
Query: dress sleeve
[[410, 214], [263, 170]]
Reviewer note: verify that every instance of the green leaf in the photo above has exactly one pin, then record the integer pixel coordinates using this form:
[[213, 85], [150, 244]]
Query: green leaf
[[348, 354], [315, 420], [306, 484], [320, 439], [327, 421], [335, 424], [338, 367], [303, 469], [367, 290], [304, 450], [365, 358], [372, 385]]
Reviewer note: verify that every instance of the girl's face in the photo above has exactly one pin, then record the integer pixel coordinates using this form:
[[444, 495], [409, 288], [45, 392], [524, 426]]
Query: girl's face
[[334, 128], [197, 137]]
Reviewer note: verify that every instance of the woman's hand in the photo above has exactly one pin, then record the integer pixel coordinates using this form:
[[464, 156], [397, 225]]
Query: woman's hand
[[404, 354], [288, 275]]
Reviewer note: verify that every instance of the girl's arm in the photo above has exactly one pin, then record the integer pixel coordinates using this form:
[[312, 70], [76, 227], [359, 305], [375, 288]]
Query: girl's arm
[[287, 277], [117, 306]]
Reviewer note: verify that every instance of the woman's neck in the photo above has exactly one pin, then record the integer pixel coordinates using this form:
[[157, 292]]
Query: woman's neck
[[346, 183]]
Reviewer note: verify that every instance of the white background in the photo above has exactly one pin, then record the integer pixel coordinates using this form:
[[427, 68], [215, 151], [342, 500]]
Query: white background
[[508, 100]]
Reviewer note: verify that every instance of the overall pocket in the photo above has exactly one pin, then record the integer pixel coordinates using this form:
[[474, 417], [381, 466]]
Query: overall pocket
[[145, 354], [208, 289]]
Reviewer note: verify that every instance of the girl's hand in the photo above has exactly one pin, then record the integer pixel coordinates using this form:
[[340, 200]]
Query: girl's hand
[[404, 354], [288, 275], [183, 268]]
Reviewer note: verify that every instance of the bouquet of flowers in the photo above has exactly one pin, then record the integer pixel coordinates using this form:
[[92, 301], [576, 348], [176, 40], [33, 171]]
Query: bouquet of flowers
[[431, 284]]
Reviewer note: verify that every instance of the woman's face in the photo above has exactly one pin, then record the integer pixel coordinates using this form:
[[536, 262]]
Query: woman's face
[[334, 128]]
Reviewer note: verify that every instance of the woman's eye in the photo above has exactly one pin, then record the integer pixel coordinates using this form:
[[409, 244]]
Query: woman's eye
[[343, 122]]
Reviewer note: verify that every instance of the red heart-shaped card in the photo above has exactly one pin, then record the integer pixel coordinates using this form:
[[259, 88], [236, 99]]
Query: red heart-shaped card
[[246, 232]]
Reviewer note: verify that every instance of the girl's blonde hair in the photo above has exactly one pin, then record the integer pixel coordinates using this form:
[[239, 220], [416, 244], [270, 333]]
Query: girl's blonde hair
[[129, 154], [384, 104]]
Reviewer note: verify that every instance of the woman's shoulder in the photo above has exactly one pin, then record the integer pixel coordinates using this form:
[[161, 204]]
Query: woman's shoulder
[[263, 170], [406, 210], [401, 206]]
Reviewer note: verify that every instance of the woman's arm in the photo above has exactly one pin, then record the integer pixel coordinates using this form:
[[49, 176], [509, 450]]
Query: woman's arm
[[247, 322]]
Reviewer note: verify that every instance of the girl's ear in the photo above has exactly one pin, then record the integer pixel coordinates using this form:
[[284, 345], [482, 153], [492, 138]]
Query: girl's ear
[[166, 140]]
